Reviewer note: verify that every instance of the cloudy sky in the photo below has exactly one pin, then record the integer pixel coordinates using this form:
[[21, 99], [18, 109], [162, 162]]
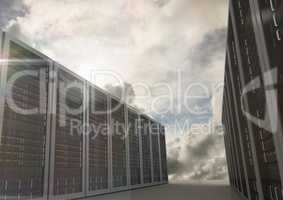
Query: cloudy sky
[[167, 55]]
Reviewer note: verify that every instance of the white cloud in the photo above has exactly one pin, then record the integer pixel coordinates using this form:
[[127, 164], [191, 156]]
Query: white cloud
[[197, 157], [138, 36]]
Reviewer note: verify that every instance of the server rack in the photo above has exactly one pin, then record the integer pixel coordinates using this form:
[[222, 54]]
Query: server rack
[[269, 27], [1, 82], [119, 153], [146, 151], [160, 156], [67, 179], [140, 131], [227, 148], [245, 144], [235, 135], [244, 44], [151, 151], [127, 140], [257, 45], [134, 148], [97, 142], [163, 154], [24, 144], [155, 151], [70, 161], [231, 155]]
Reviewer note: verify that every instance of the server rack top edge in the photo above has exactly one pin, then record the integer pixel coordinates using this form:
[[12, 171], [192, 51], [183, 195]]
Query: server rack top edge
[[4, 34]]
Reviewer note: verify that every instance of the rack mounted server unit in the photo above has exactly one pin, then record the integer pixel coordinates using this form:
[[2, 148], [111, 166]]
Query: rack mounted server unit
[[252, 101], [45, 154]]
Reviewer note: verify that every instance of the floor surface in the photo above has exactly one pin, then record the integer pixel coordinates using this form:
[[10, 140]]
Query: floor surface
[[175, 192]]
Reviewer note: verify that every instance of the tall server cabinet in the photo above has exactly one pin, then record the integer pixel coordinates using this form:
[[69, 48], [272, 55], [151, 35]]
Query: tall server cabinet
[[97, 142], [155, 151], [67, 161], [146, 150], [24, 122], [163, 154], [271, 15], [134, 147], [248, 69], [257, 45], [243, 129], [119, 154]]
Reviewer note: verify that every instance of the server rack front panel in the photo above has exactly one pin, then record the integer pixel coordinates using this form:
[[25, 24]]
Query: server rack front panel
[[246, 49], [2, 98], [228, 150], [233, 65], [226, 139], [155, 151], [253, 67], [24, 131], [235, 133], [119, 154], [67, 163], [145, 133], [140, 148], [269, 27], [163, 154], [159, 149], [134, 148], [227, 132], [97, 143], [245, 139], [271, 46], [231, 143]]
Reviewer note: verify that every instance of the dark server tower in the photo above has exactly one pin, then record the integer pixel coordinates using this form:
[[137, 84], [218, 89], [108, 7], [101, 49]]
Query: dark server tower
[[234, 147], [134, 147], [163, 154], [67, 141], [237, 132], [227, 144], [23, 136], [155, 151], [119, 154], [229, 150], [254, 57], [246, 42], [146, 154], [97, 142], [270, 25], [232, 72]]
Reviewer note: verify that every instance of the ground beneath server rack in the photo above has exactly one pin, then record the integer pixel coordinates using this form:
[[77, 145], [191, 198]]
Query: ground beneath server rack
[[175, 192]]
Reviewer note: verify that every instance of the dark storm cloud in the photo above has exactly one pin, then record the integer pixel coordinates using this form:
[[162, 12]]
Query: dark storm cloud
[[202, 56], [161, 3], [212, 47], [202, 150], [10, 10], [124, 92]]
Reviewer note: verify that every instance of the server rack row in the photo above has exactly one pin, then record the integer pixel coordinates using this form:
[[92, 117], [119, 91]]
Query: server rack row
[[61, 137], [252, 114]]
